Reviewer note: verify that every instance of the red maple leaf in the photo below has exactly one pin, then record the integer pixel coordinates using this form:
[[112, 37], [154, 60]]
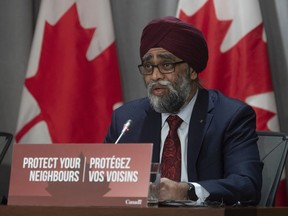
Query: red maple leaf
[[75, 95], [240, 72]]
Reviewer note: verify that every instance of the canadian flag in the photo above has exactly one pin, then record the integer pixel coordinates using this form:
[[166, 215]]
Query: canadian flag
[[73, 81], [238, 61]]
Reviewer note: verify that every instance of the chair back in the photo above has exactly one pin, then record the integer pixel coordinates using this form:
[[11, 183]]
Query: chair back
[[273, 150], [5, 140]]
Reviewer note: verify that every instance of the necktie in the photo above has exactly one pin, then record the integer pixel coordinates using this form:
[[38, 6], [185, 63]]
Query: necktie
[[171, 156]]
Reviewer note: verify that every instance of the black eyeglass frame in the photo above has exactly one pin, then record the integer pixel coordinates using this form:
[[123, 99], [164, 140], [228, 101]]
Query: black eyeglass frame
[[153, 66]]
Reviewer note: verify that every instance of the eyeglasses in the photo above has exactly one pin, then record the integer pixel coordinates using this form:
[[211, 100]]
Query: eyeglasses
[[164, 68]]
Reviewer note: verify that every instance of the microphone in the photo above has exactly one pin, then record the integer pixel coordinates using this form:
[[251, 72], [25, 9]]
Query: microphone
[[125, 128]]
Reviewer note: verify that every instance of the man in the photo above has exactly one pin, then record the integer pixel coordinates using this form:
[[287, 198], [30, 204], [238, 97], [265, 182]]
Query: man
[[217, 155]]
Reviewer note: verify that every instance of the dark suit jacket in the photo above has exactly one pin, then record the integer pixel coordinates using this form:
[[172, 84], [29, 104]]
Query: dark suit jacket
[[222, 152]]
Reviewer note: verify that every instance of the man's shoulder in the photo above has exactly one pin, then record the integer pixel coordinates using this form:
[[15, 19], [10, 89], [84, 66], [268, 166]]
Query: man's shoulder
[[136, 104], [217, 96], [224, 103]]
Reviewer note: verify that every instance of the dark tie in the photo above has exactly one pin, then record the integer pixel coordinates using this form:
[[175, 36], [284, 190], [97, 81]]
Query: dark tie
[[171, 156]]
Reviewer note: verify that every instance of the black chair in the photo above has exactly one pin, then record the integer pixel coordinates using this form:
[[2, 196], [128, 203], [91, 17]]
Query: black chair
[[5, 140], [273, 149]]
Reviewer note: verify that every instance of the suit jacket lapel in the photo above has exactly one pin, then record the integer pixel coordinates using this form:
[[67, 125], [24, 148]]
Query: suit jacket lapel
[[151, 132], [200, 119]]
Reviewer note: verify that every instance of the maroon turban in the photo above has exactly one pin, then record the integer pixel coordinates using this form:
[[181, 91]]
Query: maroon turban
[[178, 37]]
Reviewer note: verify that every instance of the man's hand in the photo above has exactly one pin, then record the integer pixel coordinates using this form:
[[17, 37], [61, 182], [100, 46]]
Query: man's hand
[[171, 190]]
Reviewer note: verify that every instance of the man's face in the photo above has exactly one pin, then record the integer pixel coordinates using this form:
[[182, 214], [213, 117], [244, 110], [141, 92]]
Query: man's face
[[168, 92]]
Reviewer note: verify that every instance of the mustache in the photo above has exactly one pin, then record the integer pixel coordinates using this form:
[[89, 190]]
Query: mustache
[[152, 84]]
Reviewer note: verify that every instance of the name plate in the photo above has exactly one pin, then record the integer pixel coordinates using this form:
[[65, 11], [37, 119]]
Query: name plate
[[80, 174]]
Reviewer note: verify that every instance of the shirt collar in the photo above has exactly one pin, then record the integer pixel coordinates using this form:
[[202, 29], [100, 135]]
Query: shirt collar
[[184, 113]]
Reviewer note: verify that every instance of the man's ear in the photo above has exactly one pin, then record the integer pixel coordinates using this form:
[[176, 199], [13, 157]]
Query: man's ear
[[193, 74]]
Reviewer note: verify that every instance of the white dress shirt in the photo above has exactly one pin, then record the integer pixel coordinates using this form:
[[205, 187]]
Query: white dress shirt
[[185, 115]]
